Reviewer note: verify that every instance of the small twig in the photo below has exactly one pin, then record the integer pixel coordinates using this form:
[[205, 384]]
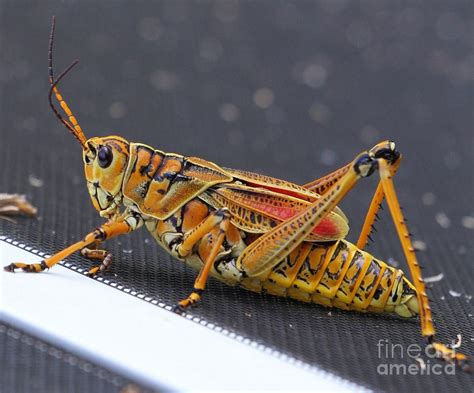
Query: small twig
[[421, 362], [436, 278], [457, 344]]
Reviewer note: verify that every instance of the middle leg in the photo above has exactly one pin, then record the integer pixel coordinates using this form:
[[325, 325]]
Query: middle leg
[[94, 253], [220, 219]]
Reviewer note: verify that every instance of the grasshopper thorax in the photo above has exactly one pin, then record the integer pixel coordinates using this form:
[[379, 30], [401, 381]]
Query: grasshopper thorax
[[105, 161]]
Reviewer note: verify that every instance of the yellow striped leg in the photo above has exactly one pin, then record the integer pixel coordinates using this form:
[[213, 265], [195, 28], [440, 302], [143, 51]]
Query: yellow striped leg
[[427, 327], [321, 185], [374, 207]]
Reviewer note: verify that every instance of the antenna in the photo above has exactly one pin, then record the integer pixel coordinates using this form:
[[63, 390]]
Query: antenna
[[72, 125]]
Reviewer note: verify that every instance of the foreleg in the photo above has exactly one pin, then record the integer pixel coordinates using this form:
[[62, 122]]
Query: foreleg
[[104, 232]]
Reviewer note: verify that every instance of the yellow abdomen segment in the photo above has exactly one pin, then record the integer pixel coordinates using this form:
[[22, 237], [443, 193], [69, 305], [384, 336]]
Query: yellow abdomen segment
[[339, 275]]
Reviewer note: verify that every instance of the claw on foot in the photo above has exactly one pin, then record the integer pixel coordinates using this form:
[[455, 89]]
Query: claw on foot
[[190, 301], [104, 255], [178, 309], [93, 271], [450, 355], [26, 267], [10, 268]]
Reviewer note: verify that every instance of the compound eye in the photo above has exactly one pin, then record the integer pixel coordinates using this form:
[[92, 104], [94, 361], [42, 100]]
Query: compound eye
[[105, 156]]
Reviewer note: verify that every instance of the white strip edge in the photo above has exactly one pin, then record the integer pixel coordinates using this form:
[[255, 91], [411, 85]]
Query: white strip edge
[[128, 334]]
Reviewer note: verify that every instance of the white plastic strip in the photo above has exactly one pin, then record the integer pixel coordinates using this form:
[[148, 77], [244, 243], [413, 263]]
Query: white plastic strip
[[133, 336]]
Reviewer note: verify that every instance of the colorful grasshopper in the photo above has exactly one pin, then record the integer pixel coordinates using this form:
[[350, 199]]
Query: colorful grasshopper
[[246, 229]]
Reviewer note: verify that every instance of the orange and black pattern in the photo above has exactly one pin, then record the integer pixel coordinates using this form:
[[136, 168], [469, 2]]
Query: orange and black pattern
[[335, 274], [160, 183]]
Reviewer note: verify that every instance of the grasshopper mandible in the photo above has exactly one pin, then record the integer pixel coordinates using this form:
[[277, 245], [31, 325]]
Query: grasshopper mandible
[[259, 232]]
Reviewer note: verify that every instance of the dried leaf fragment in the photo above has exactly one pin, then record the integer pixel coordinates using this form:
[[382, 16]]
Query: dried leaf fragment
[[15, 204]]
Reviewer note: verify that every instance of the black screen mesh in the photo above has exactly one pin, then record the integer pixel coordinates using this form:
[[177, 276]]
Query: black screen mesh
[[33, 365]]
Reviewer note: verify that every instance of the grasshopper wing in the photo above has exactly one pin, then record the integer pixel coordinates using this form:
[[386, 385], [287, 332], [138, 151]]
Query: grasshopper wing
[[272, 184], [258, 210]]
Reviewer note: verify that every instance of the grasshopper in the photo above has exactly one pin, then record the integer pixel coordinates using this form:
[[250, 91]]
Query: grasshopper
[[262, 233]]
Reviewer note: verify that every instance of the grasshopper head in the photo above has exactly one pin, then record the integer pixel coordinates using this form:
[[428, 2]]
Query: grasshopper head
[[105, 161]]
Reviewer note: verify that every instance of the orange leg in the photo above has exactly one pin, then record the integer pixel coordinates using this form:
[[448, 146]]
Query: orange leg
[[102, 255], [268, 250], [427, 327], [220, 218], [321, 185], [106, 231], [374, 207]]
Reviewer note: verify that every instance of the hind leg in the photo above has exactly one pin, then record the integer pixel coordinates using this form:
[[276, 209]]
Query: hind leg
[[321, 185], [427, 327], [272, 247], [378, 151]]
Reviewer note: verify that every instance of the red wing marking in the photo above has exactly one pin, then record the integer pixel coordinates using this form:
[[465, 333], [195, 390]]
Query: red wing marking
[[326, 228], [279, 207]]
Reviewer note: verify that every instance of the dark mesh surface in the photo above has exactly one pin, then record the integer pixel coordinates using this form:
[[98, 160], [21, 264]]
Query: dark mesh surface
[[369, 71], [33, 365]]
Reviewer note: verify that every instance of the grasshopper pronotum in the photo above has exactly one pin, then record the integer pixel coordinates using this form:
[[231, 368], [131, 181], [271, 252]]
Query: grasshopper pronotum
[[246, 229]]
